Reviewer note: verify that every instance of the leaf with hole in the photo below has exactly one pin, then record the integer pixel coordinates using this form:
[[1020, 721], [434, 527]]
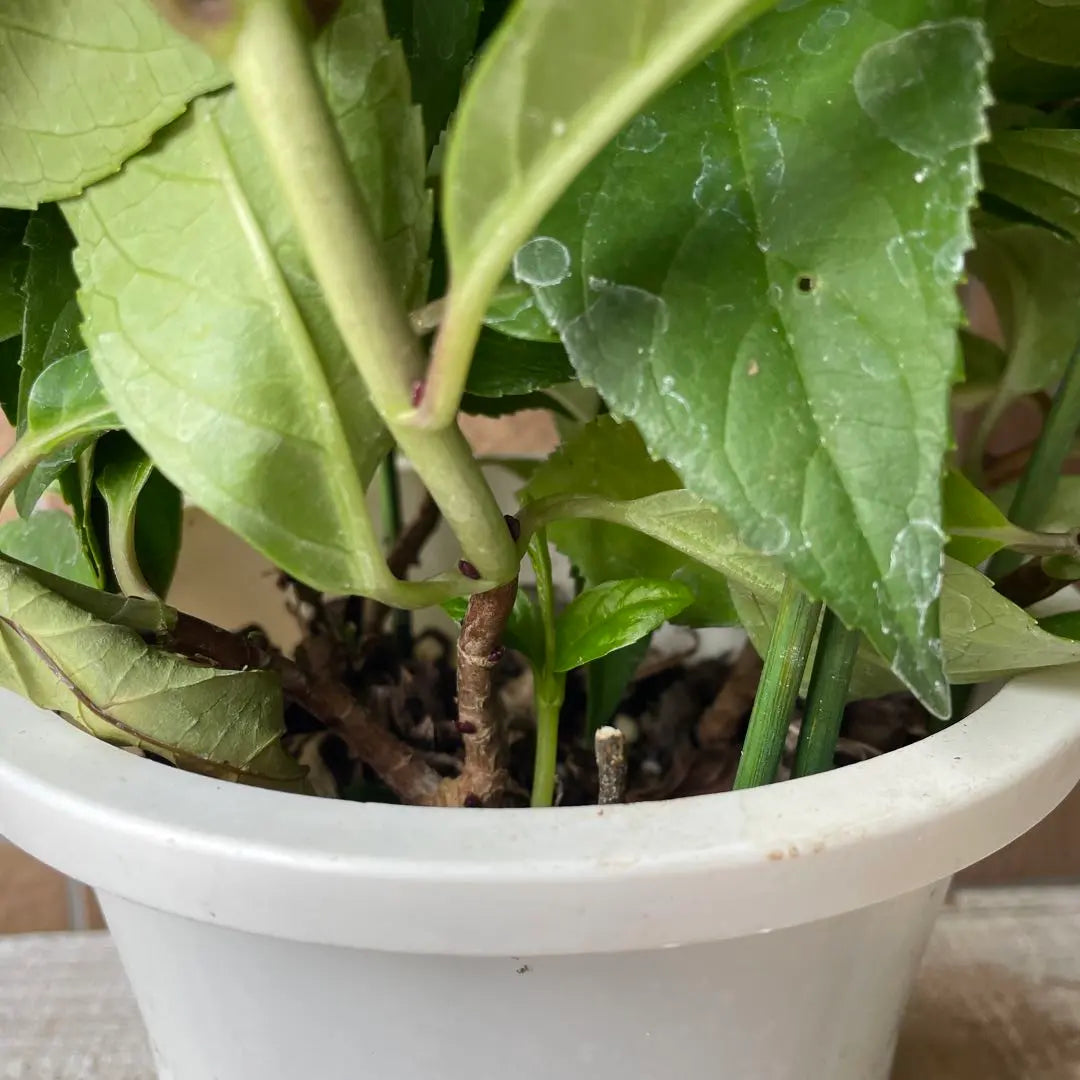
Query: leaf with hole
[[85, 86], [106, 679], [210, 335], [611, 616], [761, 274]]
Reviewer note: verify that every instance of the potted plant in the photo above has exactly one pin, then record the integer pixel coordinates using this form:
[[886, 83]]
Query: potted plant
[[260, 252]]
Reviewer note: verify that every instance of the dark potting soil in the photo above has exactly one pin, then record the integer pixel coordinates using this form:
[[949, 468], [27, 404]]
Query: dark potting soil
[[683, 720]]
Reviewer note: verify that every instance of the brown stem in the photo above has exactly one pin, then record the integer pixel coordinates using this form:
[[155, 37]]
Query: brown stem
[[719, 724], [484, 775], [394, 761], [611, 765], [1029, 583], [332, 702], [405, 554]]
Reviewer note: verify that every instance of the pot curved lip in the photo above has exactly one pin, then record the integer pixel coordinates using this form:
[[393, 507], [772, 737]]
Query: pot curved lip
[[530, 882]]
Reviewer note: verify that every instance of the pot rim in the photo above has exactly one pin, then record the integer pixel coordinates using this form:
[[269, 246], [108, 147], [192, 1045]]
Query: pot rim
[[528, 882]]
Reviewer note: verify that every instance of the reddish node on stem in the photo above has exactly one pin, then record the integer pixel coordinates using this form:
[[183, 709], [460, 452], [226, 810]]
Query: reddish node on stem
[[495, 655], [418, 388], [469, 570], [471, 801], [465, 727]]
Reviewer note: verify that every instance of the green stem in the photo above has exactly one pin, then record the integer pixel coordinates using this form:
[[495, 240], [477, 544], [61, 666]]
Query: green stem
[[1040, 477], [550, 685], [789, 647], [17, 463], [833, 664], [549, 700], [1021, 541], [273, 72]]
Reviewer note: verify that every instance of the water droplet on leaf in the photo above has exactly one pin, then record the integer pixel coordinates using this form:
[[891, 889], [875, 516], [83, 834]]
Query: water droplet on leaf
[[642, 135], [940, 65], [542, 261], [818, 37]]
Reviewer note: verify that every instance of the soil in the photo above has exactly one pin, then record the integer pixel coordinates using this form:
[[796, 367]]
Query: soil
[[683, 719]]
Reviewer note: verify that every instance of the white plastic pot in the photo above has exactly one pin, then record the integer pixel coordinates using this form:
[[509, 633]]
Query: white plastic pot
[[763, 935]]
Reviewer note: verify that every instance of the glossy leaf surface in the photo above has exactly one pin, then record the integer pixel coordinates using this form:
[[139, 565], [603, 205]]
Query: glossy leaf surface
[[760, 271]]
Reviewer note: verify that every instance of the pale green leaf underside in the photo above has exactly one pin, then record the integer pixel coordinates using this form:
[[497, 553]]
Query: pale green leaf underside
[[213, 340], [760, 272], [553, 86], [107, 680], [83, 86]]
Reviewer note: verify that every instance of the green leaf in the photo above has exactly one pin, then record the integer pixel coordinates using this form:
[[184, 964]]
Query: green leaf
[[983, 635], [50, 334], [438, 38], [65, 411], [48, 539], [211, 337], [145, 517], [1035, 59], [474, 405], [511, 366], [1037, 170], [762, 276], [606, 680], [146, 617], [85, 86], [50, 322], [1063, 511], [1064, 624], [555, 83], [986, 636], [106, 679], [613, 615], [983, 365], [1033, 277], [965, 506], [77, 488], [609, 459], [13, 260]]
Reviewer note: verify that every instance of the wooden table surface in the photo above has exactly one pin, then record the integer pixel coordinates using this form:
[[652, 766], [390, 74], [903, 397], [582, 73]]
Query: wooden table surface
[[998, 998]]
